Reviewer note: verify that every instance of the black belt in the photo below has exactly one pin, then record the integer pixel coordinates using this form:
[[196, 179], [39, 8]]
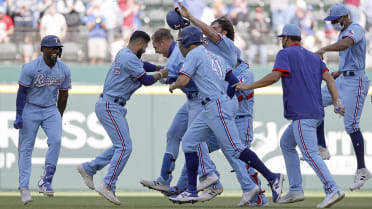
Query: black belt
[[192, 95], [348, 73], [205, 101], [116, 100]]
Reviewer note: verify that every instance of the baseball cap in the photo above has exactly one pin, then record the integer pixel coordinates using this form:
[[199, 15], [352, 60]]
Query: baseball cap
[[291, 30], [190, 35], [336, 11]]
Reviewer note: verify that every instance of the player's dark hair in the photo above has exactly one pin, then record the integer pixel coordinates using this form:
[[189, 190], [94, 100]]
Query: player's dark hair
[[162, 34], [295, 38], [139, 35], [226, 25]]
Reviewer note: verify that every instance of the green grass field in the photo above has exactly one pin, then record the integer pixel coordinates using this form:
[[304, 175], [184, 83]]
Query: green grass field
[[142, 200]]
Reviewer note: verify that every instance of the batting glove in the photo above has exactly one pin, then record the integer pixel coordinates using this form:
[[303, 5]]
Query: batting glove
[[18, 123]]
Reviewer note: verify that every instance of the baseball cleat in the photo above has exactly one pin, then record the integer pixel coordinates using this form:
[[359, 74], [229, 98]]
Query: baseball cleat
[[185, 197], [107, 194], [45, 188], [25, 195], [248, 196], [208, 181], [331, 199], [209, 194], [172, 191], [155, 185], [277, 186], [362, 175], [292, 196], [88, 180], [261, 202]]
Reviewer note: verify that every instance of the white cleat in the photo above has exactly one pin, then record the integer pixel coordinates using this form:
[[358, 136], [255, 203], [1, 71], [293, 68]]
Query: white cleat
[[331, 199], [155, 185], [88, 180], [292, 196], [209, 194], [25, 195], [184, 197], [362, 175], [208, 181], [324, 153], [108, 194], [248, 196]]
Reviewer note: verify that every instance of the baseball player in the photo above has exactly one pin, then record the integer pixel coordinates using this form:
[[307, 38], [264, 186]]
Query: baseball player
[[351, 81], [125, 76], [220, 35], [42, 81], [218, 116], [164, 44], [302, 73]]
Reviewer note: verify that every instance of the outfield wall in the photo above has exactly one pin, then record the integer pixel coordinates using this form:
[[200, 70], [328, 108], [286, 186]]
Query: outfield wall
[[150, 112]]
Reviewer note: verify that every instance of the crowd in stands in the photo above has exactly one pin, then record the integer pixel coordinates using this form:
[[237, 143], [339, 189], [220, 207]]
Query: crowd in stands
[[102, 27]]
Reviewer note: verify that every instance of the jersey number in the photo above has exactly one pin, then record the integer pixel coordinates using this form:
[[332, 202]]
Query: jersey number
[[216, 66]]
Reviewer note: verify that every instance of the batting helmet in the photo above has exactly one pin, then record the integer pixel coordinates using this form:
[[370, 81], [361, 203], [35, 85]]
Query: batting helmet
[[52, 41], [176, 21], [190, 35]]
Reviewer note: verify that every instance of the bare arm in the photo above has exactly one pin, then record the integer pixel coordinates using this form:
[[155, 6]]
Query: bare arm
[[181, 81], [62, 101], [269, 79], [338, 46], [207, 30], [331, 85]]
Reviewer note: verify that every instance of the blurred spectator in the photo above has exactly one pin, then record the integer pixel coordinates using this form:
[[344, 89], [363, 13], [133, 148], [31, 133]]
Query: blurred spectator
[[39, 9], [20, 10], [259, 30], [238, 12], [97, 44], [6, 26], [112, 13], [53, 23], [73, 22], [278, 10], [353, 7], [28, 52], [367, 9], [129, 9], [117, 44], [307, 25], [66, 6], [219, 8]]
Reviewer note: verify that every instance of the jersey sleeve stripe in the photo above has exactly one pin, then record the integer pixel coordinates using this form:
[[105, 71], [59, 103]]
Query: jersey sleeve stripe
[[138, 77], [285, 71], [229, 70], [183, 73], [325, 70], [219, 40], [350, 38], [24, 85]]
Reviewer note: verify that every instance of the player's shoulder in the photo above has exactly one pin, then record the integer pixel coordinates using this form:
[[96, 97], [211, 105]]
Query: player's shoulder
[[63, 65], [34, 64]]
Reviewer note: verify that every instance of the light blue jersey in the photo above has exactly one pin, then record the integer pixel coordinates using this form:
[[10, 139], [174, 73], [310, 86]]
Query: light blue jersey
[[225, 48], [122, 78], [207, 70], [174, 64], [353, 58], [245, 98], [44, 82]]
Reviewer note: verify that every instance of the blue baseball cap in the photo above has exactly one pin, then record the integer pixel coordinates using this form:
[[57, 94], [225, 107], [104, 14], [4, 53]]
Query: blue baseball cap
[[51, 41], [336, 11], [291, 30], [190, 35]]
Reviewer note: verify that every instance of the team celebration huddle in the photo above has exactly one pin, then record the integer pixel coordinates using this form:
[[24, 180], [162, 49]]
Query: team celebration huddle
[[203, 62]]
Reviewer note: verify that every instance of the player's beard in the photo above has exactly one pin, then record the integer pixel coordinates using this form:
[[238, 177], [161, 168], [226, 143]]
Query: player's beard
[[139, 53]]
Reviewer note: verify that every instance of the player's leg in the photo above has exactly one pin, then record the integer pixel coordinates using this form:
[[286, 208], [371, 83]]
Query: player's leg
[[27, 135], [355, 90], [304, 132], [292, 163], [112, 117], [52, 126], [174, 137]]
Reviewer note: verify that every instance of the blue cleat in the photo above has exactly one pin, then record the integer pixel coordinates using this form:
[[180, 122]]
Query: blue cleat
[[277, 186], [45, 182], [45, 188], [185, 197]]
